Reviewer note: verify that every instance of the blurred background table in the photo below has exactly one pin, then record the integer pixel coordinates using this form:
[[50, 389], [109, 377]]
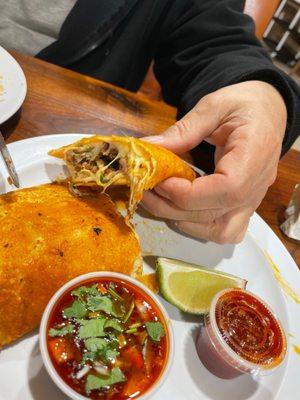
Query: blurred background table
[[62, 101]]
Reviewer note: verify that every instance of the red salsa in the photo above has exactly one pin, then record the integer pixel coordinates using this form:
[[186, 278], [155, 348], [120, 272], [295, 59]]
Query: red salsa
[[250, 329], [107, 339], [240, 335]]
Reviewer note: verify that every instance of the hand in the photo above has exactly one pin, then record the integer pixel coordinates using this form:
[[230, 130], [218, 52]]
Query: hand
[[246, 122]]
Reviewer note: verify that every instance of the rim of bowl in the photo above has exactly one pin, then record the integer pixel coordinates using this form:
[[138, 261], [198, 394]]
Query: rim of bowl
[[64, 387], [243, 363]]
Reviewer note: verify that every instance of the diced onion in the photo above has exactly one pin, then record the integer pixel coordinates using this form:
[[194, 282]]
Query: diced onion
[[142, 309], [83, 372], [100, 368]]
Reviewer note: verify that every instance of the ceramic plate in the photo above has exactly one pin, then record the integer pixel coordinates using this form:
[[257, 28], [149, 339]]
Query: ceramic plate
[[12, 85], [22, 375]]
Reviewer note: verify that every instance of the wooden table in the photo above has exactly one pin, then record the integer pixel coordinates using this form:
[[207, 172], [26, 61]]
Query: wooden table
[[59, 100]]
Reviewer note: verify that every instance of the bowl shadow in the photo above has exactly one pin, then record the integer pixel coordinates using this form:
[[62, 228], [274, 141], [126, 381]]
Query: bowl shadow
[[40, 384]]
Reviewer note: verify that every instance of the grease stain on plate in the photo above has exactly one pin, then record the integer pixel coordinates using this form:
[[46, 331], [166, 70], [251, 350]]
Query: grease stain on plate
[[285, 286], [296, 349]]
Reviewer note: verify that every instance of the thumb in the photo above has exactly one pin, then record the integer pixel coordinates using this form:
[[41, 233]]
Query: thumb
[[190, 130]]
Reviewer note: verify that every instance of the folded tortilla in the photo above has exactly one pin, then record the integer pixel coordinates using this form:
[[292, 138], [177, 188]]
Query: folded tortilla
[[48, 237], [115, 160]]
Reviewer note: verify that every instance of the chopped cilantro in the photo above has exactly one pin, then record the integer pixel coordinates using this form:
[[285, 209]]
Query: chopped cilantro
[[113, 341], [95, 344], [103, 179], [84, 290], [129, 312], [61, 332], [88, 356], [114, 294], [110, 355], [94, 382], [92, 328], [82, 321], [100, 348], [102, 303], [76, 310], [114, 324], [155, 330]]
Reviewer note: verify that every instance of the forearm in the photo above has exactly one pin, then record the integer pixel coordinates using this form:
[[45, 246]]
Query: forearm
[[211, 45], [245, 69]]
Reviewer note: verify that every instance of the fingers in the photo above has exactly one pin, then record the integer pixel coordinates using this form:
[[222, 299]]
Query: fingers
[[189, 131], [207, 192], [228, 229], [164, 208]]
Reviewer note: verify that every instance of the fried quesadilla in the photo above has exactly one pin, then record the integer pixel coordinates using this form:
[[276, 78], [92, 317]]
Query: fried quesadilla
[[114, 160], [48, 236]]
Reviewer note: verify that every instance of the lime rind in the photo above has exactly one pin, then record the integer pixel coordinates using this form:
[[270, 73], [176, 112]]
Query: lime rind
[[202, 284]]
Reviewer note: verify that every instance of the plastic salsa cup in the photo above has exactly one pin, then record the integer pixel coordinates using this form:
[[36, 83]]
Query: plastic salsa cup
[[241, 334]]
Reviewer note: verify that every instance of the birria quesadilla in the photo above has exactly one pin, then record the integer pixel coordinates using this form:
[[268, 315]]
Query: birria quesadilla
[[114, 160], [48, 236]]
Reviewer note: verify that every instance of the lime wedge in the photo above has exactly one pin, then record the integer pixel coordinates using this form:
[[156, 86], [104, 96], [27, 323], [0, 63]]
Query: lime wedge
[[191, 287]]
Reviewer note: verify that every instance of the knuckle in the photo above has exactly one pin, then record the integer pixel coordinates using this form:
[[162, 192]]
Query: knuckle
[[181, 128], [239, 238], [222, 238], [225, 233], [212, 99], [220, 233]]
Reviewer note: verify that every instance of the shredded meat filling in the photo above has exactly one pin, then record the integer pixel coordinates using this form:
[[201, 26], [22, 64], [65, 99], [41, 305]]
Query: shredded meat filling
[[104, 158]]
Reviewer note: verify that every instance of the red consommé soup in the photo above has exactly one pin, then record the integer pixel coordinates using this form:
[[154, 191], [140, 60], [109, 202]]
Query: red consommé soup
[[113, 345]]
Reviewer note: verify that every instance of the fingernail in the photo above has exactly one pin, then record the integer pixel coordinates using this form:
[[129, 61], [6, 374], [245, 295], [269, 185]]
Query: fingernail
[[157, 139]]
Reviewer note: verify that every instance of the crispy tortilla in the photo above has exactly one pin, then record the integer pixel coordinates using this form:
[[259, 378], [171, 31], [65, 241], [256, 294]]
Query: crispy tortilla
[[114, 160], [48, 237]]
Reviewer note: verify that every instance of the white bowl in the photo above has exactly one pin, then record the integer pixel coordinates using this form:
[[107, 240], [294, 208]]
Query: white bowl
[[43, 333]]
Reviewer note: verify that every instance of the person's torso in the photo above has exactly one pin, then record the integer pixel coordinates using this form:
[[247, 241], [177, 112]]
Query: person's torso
[[113, 40], [28, 26]]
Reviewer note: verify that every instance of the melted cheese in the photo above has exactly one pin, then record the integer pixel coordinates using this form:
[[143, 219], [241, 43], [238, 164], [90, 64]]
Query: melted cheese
[[138, 172]]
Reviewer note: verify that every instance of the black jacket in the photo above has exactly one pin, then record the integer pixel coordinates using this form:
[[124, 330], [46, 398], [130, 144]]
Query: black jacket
[[198, 46]]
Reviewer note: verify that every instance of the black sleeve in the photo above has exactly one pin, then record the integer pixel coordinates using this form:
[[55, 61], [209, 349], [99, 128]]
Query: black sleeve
[[208, 44]]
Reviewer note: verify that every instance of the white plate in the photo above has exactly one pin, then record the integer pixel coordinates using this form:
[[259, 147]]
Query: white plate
[[13, 81], [22, 375]]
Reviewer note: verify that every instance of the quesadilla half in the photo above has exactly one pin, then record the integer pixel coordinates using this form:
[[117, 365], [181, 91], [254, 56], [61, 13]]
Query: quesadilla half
[[112, 160], [48, 236]]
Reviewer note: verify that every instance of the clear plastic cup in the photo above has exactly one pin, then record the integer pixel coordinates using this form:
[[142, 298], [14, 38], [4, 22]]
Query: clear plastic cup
[[241, 334]]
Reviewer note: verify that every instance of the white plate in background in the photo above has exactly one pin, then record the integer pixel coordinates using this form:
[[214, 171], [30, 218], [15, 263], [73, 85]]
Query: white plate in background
[[13, 81]]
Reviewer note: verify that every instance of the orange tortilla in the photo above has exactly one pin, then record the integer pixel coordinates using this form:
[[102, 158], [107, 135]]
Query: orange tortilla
[[146, 165], [48, 237]]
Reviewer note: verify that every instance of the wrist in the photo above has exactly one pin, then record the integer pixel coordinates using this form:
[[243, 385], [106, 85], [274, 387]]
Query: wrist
[[273, 105]]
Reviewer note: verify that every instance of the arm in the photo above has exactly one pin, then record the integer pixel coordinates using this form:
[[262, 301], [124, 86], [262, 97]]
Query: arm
[[210, 44], [211, 66]]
